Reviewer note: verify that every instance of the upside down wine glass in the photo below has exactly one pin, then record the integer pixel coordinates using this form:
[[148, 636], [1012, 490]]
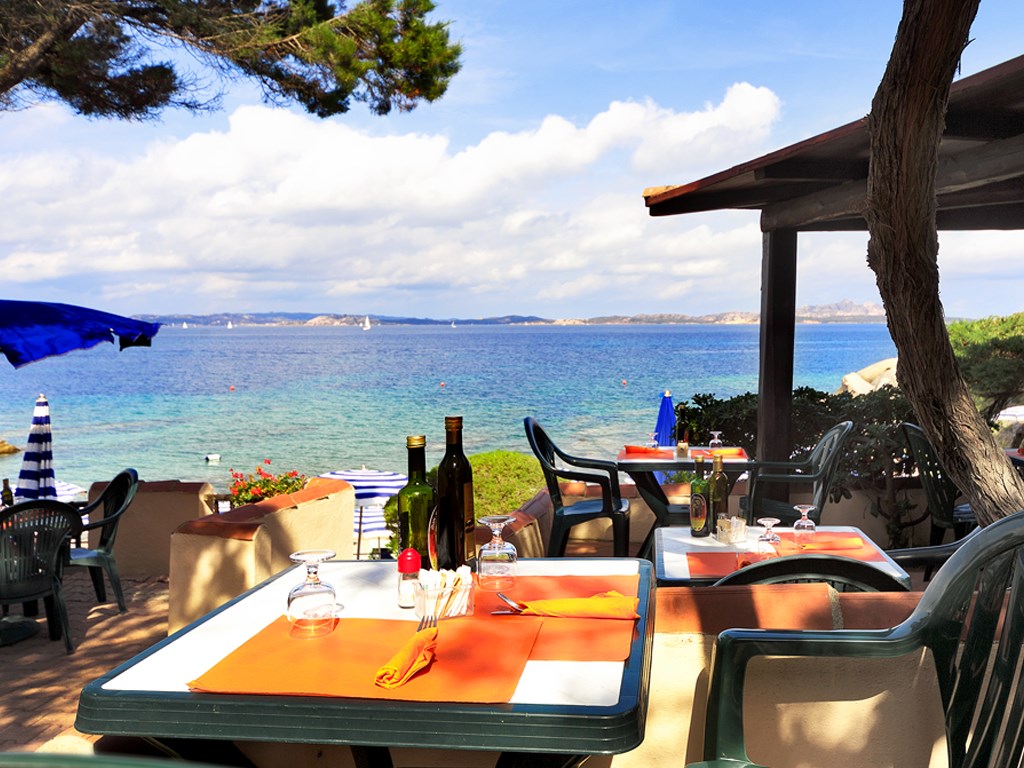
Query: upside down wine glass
[[496, 563], [803, 529], [716, 439], [769, 534], [311, 604]]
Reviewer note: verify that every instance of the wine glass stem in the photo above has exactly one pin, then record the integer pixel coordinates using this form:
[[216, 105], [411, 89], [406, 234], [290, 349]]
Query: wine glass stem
[[312, 573]]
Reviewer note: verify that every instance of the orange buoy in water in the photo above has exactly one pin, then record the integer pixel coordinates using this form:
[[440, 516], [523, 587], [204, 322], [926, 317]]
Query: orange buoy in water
[[442, 385], [623, 382], [231, 388]]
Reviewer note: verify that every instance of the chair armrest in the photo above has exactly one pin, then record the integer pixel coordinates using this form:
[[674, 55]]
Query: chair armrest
[[934, 555], [735, 648], [607, 468], [808, 477], [606, 482]]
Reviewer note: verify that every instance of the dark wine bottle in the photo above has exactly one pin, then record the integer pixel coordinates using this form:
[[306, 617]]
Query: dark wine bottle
[[699, 501], [7, 496], [456, 522], [416, 502], [718, 492]]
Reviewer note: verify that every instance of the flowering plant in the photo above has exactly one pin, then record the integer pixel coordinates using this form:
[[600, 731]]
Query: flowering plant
[[263, 484]]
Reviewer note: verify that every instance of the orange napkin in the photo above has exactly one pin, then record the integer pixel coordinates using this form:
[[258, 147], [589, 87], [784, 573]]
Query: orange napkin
[[416, 654], [646, 450], [820, 542], [607, 605], [725, 453]]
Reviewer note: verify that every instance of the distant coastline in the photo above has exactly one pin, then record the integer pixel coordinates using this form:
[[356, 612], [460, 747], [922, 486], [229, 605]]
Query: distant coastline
[[840, 312]]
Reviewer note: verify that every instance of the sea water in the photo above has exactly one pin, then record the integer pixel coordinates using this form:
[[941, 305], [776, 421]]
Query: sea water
[[315, 399]]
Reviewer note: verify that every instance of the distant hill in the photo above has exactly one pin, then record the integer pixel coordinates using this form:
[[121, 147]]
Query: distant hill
[[840, 312]]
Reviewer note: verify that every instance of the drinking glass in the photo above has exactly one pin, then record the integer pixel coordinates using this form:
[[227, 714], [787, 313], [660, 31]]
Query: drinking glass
[[769, 535], [803, 529], [716, 439], [313, 602], [652, 439], [496, 563]]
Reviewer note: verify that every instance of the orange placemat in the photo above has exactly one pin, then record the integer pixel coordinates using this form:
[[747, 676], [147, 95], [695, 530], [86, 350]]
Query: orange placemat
[[725, 453], [570, 639], [714, 565], [477, 660], [845, 544], [638, 451]]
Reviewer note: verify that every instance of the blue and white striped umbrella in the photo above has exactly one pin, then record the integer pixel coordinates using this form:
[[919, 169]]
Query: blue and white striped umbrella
[[36, 479], [373, 488]]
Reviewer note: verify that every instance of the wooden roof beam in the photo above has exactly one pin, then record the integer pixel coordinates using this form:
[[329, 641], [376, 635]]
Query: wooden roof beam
[[993, 162], [814, 170], [982, 126]]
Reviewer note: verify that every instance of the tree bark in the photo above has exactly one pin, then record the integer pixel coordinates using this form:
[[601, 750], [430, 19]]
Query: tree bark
[[24, 63], [905, 125]]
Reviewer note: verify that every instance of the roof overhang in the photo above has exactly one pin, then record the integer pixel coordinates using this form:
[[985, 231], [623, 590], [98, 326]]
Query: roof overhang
[[820, 184]]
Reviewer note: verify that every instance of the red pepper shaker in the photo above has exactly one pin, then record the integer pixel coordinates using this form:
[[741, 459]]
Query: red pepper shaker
[[408, 576]]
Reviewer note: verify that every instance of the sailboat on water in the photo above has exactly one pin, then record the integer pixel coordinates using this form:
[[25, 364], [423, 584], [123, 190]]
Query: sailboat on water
[[184, 324], [366, 323], [230, 325]]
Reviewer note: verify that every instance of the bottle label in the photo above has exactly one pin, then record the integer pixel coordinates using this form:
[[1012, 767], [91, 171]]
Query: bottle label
[[469, 519], [698, 515], [432, 539]]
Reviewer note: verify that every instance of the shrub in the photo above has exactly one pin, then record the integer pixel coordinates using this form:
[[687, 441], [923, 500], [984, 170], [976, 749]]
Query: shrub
[[263, 484], [502, 482]]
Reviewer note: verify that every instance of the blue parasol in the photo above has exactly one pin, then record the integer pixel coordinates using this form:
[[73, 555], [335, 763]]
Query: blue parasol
[[36, 479], [373, 488], [33, 330], [665, 427]]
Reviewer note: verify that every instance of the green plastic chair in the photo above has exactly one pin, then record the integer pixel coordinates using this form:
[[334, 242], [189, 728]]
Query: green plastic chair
[[33, 545], [114, 501], [939, 489], [971, 617], [818, 470], [844, 574], [604, 473]]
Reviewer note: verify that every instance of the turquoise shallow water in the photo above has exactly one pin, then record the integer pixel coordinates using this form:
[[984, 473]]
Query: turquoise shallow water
[[317, 399]]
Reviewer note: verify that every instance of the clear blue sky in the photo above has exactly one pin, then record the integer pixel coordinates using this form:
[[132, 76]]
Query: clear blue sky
[[519, 192]]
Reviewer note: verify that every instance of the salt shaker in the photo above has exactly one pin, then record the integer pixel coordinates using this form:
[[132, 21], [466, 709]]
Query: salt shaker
[[408, 575]]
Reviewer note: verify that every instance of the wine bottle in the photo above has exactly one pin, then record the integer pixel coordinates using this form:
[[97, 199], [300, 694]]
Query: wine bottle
[[718, 492], [456, 522], [699, 501], [416, 502], [7, 497]]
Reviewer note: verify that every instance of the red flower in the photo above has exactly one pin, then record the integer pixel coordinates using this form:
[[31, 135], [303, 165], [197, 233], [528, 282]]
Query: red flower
[[266, 461]]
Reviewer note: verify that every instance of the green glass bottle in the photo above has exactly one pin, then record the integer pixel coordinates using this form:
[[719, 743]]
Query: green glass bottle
[[455, 518], [718, 492], [416, 502], [699, 501], [7, 496]]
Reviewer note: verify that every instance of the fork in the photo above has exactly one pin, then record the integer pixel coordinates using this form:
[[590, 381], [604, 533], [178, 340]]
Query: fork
[[428, 621]]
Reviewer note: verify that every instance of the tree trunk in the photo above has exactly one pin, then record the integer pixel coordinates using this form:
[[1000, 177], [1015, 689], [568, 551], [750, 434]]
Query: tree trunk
[[905, 126]]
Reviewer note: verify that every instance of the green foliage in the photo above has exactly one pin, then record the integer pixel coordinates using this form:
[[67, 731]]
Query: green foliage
[[263, 484], [991, 357], [100, 57], [502, 482]]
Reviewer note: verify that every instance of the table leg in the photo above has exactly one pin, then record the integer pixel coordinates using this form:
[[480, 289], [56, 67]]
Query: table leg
[[371, 757]]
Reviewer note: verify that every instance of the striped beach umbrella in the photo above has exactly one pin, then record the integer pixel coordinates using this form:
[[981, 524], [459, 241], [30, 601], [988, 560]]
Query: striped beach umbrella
[[36, 481], [373, 488]]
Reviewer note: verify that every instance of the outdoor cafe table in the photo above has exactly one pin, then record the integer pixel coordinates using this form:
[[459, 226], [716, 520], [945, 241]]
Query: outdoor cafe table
[[558, 708], [682, 560], [641, 467]]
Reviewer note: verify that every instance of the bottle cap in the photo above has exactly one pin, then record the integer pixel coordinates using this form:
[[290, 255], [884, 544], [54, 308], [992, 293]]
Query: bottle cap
[[453, 422], [415, 441], [409, 561]]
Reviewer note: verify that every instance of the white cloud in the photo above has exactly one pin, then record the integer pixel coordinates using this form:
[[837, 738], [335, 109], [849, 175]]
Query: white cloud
[[278, 210]]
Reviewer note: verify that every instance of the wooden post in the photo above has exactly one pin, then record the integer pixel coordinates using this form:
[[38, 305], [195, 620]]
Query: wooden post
[[778, 321]]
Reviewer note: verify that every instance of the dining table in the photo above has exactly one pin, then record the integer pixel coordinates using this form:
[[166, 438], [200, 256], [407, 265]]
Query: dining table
[[540, 690], [684, 560], [643, 465]]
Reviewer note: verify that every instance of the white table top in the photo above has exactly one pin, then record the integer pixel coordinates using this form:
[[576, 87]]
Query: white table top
[[671, 546], [558, 706]]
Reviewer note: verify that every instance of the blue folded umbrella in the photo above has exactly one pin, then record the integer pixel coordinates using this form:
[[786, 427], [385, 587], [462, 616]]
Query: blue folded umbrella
[[33, 330]]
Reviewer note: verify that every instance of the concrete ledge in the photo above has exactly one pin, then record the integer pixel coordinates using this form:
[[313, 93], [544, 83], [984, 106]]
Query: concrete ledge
[[218, 557]]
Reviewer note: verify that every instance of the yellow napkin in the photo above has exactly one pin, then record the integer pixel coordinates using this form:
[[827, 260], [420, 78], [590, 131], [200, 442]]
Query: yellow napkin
[[607, 605], [416, 654]]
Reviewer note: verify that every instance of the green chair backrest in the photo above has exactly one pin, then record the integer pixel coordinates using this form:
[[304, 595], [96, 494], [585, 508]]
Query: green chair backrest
[[33, 537], [939, 489]]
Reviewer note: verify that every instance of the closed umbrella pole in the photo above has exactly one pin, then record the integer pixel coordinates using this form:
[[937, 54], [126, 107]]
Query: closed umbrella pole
[[36, 480]]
